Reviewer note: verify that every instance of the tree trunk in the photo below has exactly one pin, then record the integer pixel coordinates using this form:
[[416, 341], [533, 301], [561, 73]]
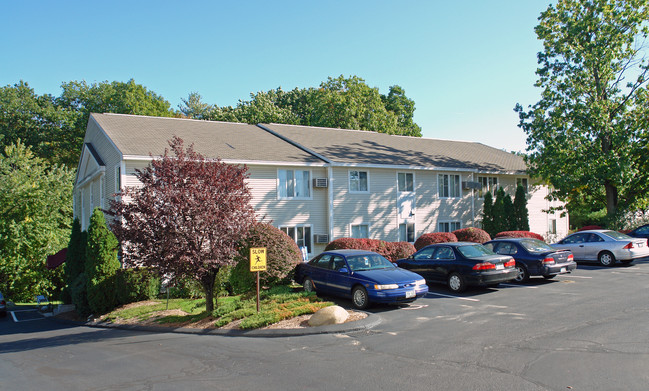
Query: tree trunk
[[611, 199], [208, 287]]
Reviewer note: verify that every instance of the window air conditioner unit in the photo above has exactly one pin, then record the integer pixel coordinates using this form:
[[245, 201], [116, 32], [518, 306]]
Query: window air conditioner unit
[[472, 185], [322, 239], [320, 182]]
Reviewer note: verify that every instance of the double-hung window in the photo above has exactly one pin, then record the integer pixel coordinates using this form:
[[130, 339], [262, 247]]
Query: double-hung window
[[301, 234], [358, 181], [360, 231], [449, 186], [407, 232], [406, 181], [294, 183], [448, 226], [522, 182], [488, 184]]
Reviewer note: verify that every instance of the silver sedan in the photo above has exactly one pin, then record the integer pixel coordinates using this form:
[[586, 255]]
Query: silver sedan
[[604, 246]]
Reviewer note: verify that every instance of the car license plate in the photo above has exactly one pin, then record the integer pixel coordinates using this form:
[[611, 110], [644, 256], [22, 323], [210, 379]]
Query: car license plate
[[500, 266], [410, 294], [563, 270]]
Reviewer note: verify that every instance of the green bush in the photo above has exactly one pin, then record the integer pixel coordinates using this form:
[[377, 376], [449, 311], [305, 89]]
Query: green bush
[[136, 285], [282, 255], [101, 265], [79, 295]]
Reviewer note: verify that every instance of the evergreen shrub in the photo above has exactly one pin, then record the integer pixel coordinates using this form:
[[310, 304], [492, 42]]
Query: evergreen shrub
[[136, 284]]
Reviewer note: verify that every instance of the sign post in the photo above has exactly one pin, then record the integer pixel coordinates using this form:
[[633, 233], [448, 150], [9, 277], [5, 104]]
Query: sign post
[[257, 264]]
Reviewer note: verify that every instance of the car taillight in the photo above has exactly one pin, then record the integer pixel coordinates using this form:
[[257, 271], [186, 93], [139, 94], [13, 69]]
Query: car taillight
[[571, 257], [484, 266], [3, 302], [628, 246], [548, 261], [510, 263]]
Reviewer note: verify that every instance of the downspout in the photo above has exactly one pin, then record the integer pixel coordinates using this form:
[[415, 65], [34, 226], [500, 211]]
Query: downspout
[[330, 201]]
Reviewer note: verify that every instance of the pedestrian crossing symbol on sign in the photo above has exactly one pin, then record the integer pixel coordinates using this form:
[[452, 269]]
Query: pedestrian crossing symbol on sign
[[258, 259]]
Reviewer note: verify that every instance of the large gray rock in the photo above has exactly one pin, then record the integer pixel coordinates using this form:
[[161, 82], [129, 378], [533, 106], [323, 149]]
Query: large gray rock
[[329, 315]]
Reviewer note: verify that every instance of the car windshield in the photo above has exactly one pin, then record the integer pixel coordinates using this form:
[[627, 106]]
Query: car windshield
[[368, 262], [474, 251], [617, 235], [535, 246]]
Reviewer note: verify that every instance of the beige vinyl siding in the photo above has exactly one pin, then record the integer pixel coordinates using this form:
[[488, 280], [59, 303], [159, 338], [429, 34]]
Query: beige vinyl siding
[[289, 212]]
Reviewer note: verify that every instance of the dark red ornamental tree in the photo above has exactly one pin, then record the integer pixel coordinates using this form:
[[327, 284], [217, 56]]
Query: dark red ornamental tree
[[187, 217]]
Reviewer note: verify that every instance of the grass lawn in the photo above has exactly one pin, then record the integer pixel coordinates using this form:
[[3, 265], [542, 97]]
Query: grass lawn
[[276, 304]]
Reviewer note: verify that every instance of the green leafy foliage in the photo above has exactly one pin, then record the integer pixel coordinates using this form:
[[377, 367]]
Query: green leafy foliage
[[521, 216], [587, 135], [503, 214], [136, 284], [101, 265], [35, 216], [75, 258]]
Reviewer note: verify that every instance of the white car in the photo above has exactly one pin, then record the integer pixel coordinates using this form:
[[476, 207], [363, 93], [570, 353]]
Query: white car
[[604, 246]]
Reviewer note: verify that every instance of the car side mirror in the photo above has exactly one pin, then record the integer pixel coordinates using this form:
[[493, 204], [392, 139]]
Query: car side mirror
[[343, 270]]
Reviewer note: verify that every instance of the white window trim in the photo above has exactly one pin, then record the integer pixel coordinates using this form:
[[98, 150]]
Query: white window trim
[[449, 189], [449, 222], [310, 197], [414, 230], [414, 183], [118, 179], [281, 227], [485, 190], [349, 182], [359, 224], [527, 184]]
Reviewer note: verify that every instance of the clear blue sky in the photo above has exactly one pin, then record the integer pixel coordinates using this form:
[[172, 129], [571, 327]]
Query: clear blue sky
[[465, 63]]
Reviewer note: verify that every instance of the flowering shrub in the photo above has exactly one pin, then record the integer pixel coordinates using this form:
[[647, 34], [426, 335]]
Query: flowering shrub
[[590, 227], [434, 237], [471, 234], [390, 250], [519, 234]]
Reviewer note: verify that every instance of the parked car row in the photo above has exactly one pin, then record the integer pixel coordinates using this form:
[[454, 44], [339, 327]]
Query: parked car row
[[3, 306], [367, 277]]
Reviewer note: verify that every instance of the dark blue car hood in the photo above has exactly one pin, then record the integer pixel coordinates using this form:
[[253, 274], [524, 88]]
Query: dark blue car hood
[[388, 276]]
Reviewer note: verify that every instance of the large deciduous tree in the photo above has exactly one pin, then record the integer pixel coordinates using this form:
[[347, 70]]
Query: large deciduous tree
[[584, 134], [35, 217], [187, 218]]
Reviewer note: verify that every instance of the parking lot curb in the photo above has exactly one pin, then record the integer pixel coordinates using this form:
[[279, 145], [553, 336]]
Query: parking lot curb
[[372, 320]]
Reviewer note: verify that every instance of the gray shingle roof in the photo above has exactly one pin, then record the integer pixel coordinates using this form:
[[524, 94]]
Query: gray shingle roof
[[371, 148], [140, 136]]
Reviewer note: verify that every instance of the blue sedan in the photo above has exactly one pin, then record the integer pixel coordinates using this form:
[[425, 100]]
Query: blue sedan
[[534, 257], [364, 276]]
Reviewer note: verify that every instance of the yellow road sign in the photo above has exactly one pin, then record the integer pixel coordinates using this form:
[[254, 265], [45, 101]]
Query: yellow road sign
[[258, 259]]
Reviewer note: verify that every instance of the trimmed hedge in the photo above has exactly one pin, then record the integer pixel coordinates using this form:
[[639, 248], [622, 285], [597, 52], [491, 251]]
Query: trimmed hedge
[[472, 234], [434, 237], [390, 250], [519, 234]]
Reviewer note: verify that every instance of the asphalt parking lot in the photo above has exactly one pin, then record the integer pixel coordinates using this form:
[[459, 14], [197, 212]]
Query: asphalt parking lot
[[583, 331]]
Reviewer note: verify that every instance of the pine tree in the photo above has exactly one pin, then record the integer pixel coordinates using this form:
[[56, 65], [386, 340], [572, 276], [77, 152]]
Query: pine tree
[[487, 214], [508, 214], [521, 215], [498, 212]]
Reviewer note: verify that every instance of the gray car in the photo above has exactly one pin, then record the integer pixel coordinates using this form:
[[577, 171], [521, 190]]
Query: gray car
[[604, 246]]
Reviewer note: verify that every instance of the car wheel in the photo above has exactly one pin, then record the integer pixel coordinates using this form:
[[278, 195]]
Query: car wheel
[[549, 276], [308, 285], [522, 275], [360, 298], [605, 258], [456, 283]]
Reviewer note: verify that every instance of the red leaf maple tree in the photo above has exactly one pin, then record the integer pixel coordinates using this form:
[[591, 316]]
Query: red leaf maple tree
[[187, 218]]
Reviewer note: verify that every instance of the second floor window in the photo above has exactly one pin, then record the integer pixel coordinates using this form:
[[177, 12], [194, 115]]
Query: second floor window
[[449, 186], [358, 181], [406, 181], [294, 184], [489, 184]]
